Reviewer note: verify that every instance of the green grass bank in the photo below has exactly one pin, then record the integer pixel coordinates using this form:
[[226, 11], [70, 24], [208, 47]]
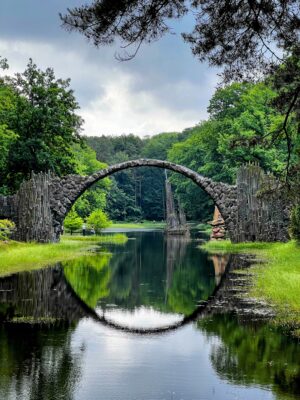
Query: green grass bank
[[17, 257], [276, 280], [139, 225]]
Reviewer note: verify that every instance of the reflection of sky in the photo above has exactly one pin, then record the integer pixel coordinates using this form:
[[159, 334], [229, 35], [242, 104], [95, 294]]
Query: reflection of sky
[[142, 317], [163, 89], [120, 366]]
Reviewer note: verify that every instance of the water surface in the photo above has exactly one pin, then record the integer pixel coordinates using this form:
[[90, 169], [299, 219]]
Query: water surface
[[52, 346]]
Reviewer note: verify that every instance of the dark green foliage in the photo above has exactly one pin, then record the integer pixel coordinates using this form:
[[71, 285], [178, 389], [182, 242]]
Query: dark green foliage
[[139, 193], [239, 113], [113, 149], [153, 179], [123, 200], [286, 82], [95, 197], [42, 113]]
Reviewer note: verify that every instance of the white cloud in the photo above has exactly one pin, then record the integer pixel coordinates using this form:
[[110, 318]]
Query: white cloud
[[115, 98], [121, 110]]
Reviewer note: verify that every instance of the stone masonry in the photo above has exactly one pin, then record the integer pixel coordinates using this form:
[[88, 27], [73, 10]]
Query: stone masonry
[[39, 214]]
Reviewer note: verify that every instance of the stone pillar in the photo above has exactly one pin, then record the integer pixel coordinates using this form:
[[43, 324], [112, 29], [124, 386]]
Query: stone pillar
[[263, 212], [33, 217]]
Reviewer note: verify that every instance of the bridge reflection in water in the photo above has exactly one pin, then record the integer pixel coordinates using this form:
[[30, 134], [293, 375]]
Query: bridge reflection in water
[[53, 320], [105, 287]]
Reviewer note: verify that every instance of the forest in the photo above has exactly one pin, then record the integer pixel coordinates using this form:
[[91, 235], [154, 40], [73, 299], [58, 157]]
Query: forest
[[41, 130]]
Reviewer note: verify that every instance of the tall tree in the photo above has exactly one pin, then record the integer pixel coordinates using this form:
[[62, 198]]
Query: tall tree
[[239, 113], [45, 120], [7, 136]]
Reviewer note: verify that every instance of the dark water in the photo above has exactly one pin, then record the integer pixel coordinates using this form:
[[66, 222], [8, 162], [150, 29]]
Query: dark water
[[96, 328]]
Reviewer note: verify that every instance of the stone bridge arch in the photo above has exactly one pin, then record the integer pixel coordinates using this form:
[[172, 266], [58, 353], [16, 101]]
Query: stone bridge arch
[[256, 209], [65, 191]]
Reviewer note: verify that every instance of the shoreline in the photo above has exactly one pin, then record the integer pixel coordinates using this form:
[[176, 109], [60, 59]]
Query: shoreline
[[17, 257], [273, 275]]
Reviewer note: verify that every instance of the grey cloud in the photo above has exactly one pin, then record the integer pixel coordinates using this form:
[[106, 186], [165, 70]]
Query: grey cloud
[[165, 72]]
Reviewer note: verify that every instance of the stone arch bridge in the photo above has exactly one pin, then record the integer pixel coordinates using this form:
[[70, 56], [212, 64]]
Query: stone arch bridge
[[42, 203]]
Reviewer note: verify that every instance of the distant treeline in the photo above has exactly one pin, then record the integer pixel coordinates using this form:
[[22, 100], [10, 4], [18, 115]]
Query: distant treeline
[[239, 115]]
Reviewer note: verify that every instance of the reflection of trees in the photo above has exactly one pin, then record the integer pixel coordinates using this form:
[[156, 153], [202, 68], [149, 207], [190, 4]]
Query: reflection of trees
[[37, 363], [187, 282], [89, 277], [249, 354], [168, 274], [189, 286], [38, 312], [36, 296]]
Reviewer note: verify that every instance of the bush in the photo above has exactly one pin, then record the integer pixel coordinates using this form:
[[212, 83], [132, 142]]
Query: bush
[[73, 222], [295, 223], [98, 220], [6, 228]]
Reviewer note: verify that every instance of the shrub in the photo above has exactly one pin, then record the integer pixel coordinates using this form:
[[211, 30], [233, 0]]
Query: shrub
[[6, 228], [98, 220], [73, 222]]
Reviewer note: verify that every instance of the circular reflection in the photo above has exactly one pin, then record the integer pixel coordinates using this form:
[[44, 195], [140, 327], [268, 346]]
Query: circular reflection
[[140, 318], [152, 284]]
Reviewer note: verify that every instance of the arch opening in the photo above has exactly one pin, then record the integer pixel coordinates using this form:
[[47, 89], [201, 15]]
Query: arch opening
[[72, 187]]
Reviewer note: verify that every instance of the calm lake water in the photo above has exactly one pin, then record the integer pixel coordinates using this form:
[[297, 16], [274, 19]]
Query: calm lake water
[[96, 328]]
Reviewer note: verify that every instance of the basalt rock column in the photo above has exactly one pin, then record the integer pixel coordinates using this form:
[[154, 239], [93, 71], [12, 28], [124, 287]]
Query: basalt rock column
[[172, 217], [33, 213], [263, 210]]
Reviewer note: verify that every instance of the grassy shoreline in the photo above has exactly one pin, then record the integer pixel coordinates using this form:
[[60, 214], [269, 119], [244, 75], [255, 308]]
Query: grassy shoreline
[[139, 225], [17, 257], [276, 279]]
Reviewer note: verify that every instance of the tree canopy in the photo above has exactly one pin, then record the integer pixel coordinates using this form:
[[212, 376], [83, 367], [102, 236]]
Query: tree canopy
[[39, 125], [241, 35]]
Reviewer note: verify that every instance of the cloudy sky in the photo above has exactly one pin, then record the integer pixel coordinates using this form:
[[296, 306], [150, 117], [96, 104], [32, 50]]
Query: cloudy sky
[[164, 88]]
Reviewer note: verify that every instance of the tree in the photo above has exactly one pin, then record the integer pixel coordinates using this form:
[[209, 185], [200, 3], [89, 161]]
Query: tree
[[242, 35], [7, 136], [3, 63], [98, 220], [86, 164], [239, 113], [123, 199], [72, 221], [44, 118], [153, 179]]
